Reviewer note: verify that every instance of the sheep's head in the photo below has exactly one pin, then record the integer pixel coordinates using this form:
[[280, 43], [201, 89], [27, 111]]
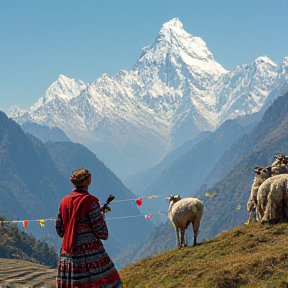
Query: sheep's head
[[263, 172], [173, 199], [280, 159]]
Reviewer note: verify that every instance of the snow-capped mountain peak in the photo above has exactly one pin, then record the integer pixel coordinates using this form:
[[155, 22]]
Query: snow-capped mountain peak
[[264, 60], [175, 91], [63, 89], [173, 32]]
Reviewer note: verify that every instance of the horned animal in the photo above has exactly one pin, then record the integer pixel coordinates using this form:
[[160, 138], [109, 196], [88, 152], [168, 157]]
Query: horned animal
[[182, 212]]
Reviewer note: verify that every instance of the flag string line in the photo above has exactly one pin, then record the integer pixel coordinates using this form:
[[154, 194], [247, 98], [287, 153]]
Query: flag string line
[[41, 221], [122, 217], [55, 219], [134, 199]]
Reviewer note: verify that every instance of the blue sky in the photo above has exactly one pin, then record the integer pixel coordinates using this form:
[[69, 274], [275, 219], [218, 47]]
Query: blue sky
[[39, 40]]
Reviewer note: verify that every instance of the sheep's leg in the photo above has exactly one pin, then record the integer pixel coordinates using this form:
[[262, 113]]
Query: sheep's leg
[[196, 225], [178, 239], [267, 212], [276, 214], [182, 245], [251, 214], [285, 206], [273, 209], [259, 211], [283, 210]]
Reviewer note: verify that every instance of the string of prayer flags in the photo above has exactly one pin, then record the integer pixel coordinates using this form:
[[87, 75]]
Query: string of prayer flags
[[139, 201], [133, 199], [210, 194], [41, 222], [25, 223], [148, 217]]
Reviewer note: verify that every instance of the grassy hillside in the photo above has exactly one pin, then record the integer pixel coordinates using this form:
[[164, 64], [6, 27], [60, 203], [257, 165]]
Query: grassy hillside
[[247, 256]]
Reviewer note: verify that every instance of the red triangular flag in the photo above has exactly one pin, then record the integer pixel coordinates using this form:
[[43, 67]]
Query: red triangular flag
[[139, 201], [148, 217]]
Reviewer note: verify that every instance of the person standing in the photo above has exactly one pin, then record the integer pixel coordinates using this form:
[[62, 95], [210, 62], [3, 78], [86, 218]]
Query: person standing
[[83, 261]]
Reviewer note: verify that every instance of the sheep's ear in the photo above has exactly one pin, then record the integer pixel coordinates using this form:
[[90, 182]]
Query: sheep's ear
[[257, 169]]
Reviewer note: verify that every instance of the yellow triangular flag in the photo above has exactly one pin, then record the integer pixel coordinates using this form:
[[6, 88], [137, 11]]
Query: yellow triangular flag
[[210, 194], [41, 222], [152, 196]]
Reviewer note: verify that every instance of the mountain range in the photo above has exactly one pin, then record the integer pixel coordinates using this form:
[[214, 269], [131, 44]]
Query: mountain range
[[175, 90], [177, 123], [34, 177]]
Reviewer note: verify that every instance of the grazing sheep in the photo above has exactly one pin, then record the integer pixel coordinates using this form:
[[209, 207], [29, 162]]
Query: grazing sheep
[[182, 212], [273, 199]]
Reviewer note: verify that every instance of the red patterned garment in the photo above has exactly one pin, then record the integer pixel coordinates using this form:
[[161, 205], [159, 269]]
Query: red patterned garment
[[84, 263]]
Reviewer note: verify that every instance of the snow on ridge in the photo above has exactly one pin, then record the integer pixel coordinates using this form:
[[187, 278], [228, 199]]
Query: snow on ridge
[[175, 84], [173, 23], [264, 59], [16, 112], [173, 32], [64, 88]]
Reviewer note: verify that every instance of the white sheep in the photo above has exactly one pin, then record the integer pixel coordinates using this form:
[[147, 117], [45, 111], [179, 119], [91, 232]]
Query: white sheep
[[182, 212], [261, 174], [273, 198], [279, 166]]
